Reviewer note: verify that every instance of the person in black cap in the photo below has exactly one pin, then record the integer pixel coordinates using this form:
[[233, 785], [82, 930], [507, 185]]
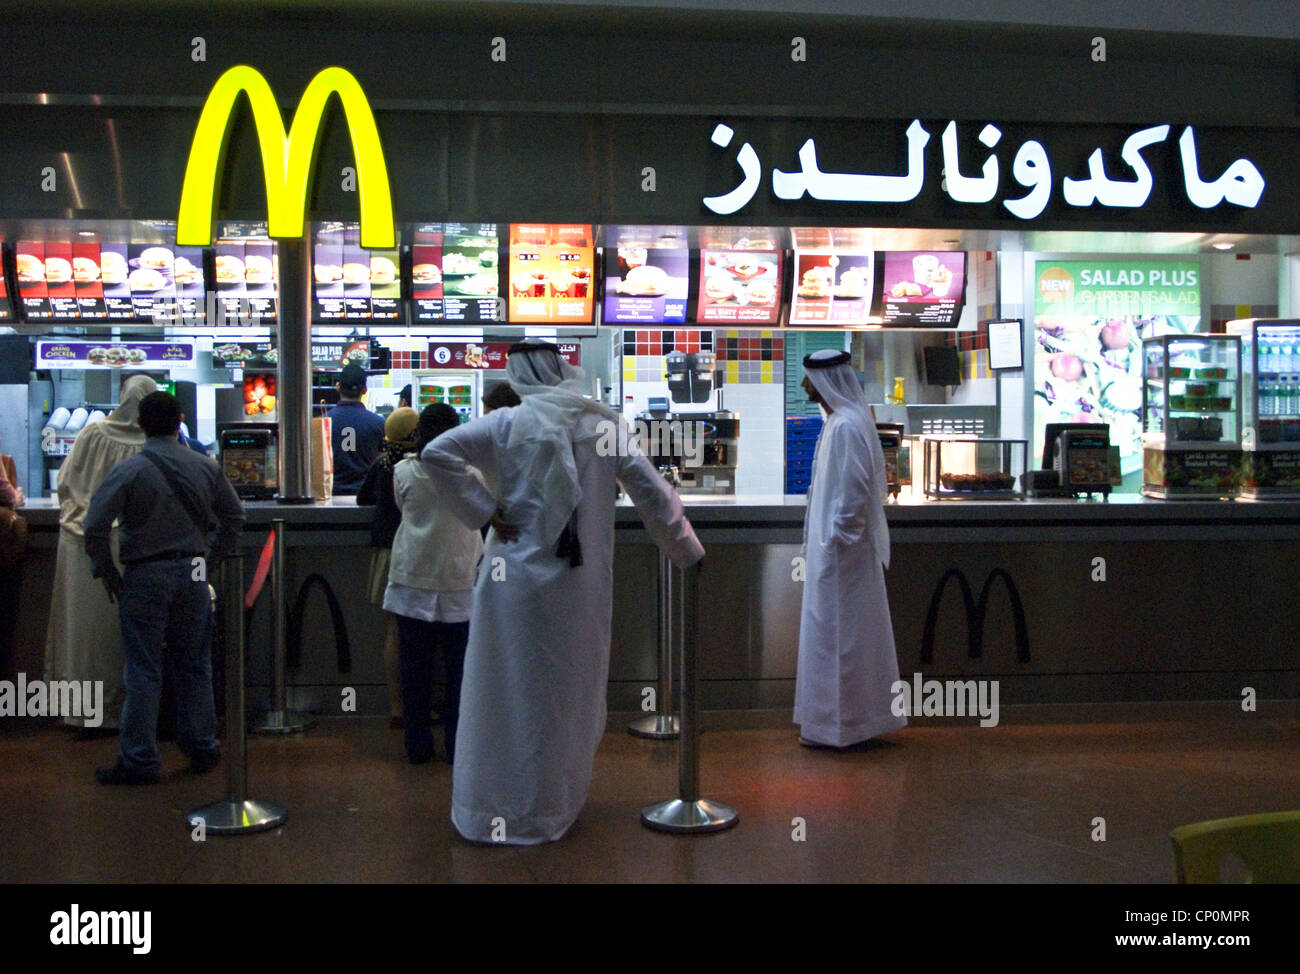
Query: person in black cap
[[357, 434]]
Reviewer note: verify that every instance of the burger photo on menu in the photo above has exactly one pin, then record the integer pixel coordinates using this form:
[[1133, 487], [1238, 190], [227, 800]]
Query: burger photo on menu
[[739, 286], [425, 275], [112, 267], [31, 269], [382, 270], [85, 270], [230, 271]]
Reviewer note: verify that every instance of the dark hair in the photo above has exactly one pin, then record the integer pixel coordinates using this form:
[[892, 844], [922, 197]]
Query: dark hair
[[435, 420], [498, 396], [160, 414]]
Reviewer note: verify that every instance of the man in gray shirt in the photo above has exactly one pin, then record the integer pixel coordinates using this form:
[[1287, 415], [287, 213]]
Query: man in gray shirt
[[169, 502]]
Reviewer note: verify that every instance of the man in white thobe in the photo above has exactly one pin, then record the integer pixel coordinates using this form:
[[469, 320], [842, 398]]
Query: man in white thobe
[[83, 640], [532, 706], [847, 662]]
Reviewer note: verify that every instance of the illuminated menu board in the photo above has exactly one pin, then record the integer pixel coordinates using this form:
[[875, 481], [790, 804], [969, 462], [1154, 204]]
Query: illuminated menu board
[[90, 281], [352, 283], [73, 354], [647, 276], [832, 288], [920, 289], [6, 307], [551, 271], [742, 286], [246, 271], [33, 290], [454, 272]]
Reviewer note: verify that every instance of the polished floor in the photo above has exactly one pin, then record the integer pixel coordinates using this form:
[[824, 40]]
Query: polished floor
[[938, 802]]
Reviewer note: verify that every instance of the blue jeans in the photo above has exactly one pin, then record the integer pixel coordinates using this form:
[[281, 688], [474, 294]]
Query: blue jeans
[[162, 609]]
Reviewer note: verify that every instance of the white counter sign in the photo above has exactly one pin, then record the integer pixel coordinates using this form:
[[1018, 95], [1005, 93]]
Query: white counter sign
[[1240, 184]]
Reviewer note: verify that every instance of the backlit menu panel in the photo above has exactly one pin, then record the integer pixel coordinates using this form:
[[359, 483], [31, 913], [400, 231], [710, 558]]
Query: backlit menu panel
[[85, 280], [832, 288], [246, 272], [33, 291], [647, 275], [164, 281], [6, 307], [350, 282], [740, 286], [454, 272], [917, 289], [552, 267]]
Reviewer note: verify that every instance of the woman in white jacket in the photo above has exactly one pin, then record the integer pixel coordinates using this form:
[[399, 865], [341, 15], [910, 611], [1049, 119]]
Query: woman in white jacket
[[430, 590]]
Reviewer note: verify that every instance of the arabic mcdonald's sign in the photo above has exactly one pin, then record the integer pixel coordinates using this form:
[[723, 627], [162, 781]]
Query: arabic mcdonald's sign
[[287, 158], [976, 612]]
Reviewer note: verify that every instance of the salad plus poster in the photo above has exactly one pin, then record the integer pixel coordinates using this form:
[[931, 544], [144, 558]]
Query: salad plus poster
[[1089, 321]]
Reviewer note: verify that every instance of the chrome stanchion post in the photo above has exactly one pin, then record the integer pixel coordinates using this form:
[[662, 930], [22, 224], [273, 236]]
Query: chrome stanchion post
[[237, 813], [279, 719], [688, 812], [662, 725]]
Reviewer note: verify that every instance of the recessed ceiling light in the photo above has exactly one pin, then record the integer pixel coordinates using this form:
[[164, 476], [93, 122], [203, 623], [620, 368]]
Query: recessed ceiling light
[[1223, 245]]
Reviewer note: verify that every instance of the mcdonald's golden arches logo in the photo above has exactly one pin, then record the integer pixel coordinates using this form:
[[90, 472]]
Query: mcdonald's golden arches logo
[[286, 158]]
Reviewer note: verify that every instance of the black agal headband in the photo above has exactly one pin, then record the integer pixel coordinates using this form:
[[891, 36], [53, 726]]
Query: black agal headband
[[825, 363]]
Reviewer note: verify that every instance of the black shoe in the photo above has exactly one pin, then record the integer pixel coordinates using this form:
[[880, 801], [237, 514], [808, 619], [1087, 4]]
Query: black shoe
[[201, 762], [120, 774], [94, 733]]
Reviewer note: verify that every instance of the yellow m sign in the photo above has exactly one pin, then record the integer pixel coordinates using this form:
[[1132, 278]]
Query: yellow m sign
[[286, 159]]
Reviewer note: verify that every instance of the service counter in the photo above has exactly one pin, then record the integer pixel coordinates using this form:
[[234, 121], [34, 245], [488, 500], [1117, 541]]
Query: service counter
[[1061, 600]]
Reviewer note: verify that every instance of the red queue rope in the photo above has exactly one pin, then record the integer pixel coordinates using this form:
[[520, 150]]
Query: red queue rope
[[263, 569]]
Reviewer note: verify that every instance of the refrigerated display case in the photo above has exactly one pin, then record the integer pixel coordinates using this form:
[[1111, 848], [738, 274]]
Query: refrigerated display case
[[461, 390], [1191, 416], [1270, 368]]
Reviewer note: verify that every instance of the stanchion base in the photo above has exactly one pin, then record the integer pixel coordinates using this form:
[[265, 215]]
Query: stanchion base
[[655, 726], [701, 815], [283, 722], [236, 818]]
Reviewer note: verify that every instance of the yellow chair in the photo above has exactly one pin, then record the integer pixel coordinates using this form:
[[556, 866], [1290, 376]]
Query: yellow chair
[[1268, 844]]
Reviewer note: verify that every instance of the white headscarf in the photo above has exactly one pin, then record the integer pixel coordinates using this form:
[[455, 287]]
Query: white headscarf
[[124, 421], [546, 424], [838, 386]]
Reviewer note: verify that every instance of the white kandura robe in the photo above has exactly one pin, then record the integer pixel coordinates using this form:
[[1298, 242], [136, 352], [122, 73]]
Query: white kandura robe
[[84, 637], [532, 705], [847, 660]]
